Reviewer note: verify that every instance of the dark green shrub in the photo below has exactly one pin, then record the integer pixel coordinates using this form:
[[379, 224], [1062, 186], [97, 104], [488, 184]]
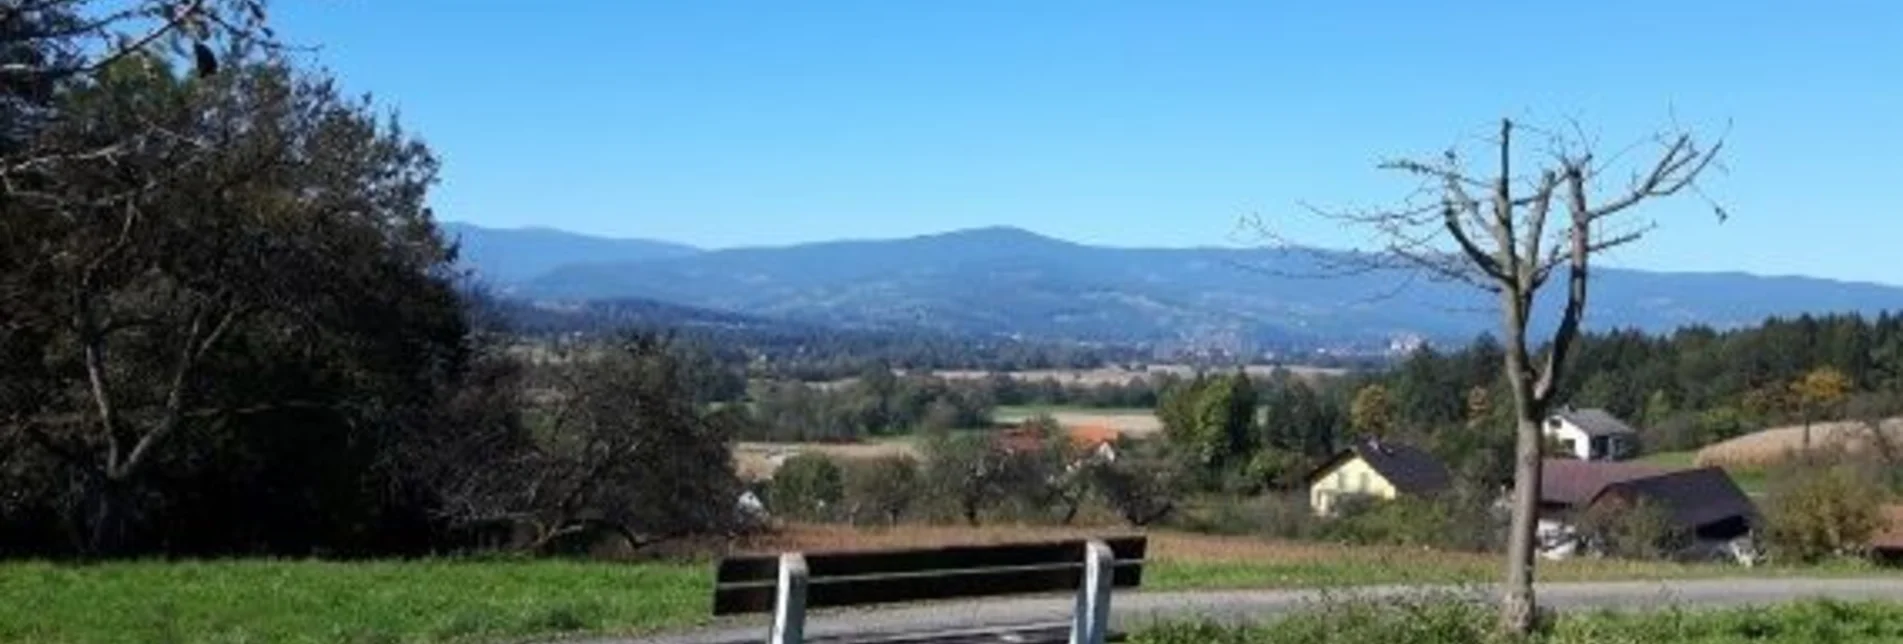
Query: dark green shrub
[[806, 487]]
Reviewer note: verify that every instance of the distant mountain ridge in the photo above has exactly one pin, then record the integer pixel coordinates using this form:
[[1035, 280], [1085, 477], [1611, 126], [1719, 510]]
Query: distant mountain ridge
[[1008, 281], [515, 255]]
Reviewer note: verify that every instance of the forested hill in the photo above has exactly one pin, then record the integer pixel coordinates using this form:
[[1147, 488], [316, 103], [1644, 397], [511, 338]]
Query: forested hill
[[1007, 281], [1688, 388]]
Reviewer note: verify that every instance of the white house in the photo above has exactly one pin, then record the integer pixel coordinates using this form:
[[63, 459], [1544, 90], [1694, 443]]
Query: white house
[[1592, 435]]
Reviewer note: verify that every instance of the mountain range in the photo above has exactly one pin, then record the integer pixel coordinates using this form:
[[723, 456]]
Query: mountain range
[[1012, 282]]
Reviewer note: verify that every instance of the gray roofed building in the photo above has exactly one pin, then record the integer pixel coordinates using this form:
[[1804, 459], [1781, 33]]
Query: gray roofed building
[[1592, 435], [1595, 422]]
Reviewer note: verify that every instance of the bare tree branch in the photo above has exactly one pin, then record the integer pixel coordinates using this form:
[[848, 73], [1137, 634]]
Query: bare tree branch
[[1514, 261]]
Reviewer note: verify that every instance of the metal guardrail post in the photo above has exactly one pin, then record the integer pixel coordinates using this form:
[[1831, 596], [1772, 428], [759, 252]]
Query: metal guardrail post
[[789, 607], [1090, 623]]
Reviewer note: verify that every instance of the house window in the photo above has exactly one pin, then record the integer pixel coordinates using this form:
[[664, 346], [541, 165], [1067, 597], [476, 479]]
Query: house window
[[1568, 446], [1362, 479]]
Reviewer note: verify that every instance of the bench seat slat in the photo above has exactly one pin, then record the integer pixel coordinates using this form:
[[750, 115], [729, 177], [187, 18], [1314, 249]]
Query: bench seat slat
[[872, 562], [867, 590]]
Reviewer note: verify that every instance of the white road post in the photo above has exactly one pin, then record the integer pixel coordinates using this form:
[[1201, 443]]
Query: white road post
[[1090, 624], [789, 607]]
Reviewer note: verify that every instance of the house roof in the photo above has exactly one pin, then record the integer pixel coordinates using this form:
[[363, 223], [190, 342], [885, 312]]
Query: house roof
[[1596, 422], [1026, 438], [1692, 498], [1090, 436], [1409, 469], [1575, 483]]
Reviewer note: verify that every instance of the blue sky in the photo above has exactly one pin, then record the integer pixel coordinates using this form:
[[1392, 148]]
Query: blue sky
[[1133, 124]]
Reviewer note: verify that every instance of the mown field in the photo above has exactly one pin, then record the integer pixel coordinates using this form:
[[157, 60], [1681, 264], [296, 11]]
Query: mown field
[[509, 600]]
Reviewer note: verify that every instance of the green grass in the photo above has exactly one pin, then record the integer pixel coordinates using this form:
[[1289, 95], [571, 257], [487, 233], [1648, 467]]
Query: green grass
[[1446, 619], [1431, 568], [1683, 458], [1754, 482], [512, 600], [307, 601]]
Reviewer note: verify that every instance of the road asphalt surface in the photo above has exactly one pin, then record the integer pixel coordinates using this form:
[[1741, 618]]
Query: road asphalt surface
[[1134, 609]]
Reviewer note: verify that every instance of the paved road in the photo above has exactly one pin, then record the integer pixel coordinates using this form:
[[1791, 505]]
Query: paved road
[[1134, 609]]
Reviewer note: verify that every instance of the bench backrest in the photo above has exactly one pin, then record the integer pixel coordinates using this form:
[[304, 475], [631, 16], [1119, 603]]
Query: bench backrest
[[747, 584]]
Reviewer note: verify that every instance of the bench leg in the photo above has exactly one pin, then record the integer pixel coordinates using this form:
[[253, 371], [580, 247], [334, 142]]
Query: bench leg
[[1090, 623], [789, 608]]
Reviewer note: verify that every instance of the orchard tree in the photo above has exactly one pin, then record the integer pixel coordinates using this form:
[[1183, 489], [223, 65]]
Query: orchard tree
[[1510, 233]]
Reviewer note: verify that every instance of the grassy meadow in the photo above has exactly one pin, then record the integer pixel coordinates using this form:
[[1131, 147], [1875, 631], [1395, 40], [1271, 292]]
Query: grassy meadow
[[515, 599], [313, 601]]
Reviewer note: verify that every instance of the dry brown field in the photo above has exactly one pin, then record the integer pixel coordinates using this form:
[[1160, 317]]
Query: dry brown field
[[1769, 447]]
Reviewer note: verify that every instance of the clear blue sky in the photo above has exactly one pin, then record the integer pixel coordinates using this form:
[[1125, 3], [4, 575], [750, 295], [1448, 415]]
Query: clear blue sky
[[1135, 124]]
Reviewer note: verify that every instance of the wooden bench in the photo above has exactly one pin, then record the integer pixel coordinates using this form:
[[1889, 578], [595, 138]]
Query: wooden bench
[[790, 583]]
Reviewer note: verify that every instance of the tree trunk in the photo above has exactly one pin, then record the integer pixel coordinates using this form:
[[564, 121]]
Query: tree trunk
[[106, 529], [1517, 606]]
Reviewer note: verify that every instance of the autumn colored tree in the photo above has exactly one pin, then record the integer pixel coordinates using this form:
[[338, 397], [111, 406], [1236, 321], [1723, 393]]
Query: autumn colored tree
[[1817, 392], [1372, 412], [1479, 406]]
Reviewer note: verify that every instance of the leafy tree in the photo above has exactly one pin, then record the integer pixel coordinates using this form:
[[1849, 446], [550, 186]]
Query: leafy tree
[[1821, 511], [807, 486], [1144, 485], [1823, 388], [1479, 406], [621, 448], [153, 295], [883, 489], [1372, 412], [1212, 420], [967, 471]]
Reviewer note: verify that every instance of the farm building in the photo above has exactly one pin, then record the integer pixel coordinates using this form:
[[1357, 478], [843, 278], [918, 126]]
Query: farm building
[[1378, 469], [1089, 441], [1592, 435], [1703, 503]]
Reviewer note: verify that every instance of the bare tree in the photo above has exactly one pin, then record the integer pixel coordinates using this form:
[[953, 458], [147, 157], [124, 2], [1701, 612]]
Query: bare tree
[[1508, 235]]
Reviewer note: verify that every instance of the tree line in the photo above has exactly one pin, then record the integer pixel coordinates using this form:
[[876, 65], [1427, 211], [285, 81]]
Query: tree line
[[1684, 389], [877, 403]]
